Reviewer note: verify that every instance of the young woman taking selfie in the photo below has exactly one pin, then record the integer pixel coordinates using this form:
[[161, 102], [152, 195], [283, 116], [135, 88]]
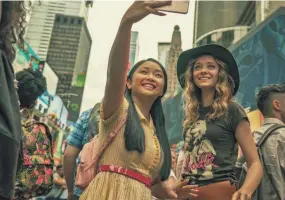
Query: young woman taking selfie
[[141, 147], [214, 125]]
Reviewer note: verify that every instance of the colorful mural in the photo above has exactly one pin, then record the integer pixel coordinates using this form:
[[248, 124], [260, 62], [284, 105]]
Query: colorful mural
[[25, 58], [261, 56]]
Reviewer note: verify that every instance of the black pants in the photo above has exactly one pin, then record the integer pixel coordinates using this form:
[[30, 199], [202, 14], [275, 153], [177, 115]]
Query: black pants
[[9, 153]]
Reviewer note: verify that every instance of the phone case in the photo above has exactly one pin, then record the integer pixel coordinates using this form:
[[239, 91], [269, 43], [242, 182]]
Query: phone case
[[177, 6]]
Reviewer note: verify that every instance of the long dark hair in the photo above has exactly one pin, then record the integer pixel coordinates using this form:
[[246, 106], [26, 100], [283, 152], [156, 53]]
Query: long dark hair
[[12, 26], [134, 134]]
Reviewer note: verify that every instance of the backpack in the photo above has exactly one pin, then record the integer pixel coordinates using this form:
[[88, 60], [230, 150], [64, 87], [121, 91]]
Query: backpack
[[35, 176], [91, 154], [242, 166]]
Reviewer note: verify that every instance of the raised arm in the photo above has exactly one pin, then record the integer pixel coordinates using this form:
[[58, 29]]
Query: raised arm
[[119, 55]]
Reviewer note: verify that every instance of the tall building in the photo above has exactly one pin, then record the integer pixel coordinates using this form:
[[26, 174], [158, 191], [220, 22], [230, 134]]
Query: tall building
[[266, 8], [257, 11], [248, 15], [215, 22], [212, 15], [42, 20], [230, 20], [68, 55], [134, 48], [174, 52], [163, 51]]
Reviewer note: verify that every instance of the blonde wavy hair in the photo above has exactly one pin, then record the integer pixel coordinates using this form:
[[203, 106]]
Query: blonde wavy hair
[[192, 95]]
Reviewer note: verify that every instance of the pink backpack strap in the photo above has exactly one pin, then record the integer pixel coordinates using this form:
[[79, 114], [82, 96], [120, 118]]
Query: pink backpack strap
[[108, 141], [114, 132]]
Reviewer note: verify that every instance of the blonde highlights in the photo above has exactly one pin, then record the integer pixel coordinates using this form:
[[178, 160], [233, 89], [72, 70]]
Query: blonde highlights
[[192, 95]]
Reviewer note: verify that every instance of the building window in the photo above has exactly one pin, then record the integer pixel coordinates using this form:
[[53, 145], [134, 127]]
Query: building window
[[57, 19]]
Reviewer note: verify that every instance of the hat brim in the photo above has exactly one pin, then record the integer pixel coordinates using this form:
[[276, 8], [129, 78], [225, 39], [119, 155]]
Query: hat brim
[[216, 51]]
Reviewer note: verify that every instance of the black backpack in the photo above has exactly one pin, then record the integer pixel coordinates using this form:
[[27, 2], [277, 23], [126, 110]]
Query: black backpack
[[241, 165]]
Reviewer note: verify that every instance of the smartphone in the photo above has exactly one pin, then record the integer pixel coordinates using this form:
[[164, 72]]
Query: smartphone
[[177, 6]]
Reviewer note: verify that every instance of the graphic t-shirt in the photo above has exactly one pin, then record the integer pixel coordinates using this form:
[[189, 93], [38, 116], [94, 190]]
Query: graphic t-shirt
[[211, 147]]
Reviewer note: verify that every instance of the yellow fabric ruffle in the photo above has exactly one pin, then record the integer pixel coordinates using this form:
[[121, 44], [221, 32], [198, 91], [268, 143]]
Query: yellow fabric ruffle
[[112, 186]]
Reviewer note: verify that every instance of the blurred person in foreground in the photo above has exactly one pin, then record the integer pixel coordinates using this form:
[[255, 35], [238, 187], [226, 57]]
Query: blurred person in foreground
[[12, 29]]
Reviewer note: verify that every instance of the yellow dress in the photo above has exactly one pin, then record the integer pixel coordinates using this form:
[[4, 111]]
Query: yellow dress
[[113, 186]]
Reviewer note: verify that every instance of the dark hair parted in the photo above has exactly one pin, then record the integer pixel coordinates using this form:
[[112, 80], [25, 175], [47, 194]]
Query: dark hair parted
[[12, 26], [134, 133], [31, 84], [264, 95]]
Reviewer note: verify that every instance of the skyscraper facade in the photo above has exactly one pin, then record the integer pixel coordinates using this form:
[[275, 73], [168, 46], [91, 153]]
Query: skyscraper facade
[[134, 48], [174, 52], [42, 17], [163, 51], [68, 56], [216, 22]]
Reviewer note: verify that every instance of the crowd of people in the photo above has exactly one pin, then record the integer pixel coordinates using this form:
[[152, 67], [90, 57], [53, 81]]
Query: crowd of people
[[133, 158]]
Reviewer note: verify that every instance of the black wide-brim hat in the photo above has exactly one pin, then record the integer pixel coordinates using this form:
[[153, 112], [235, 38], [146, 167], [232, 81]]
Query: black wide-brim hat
[[216, 51]]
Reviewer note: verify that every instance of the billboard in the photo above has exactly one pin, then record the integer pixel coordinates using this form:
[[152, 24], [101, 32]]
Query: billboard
[[51, 77], [75, 103], [58, 109], [59, 147], [52, 81], [80, 80], [260, 56], [25, 58], [45, 98], [64, 116]]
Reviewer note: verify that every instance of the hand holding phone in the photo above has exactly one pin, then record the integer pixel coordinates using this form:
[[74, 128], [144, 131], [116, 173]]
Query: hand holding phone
[[177, 6]]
